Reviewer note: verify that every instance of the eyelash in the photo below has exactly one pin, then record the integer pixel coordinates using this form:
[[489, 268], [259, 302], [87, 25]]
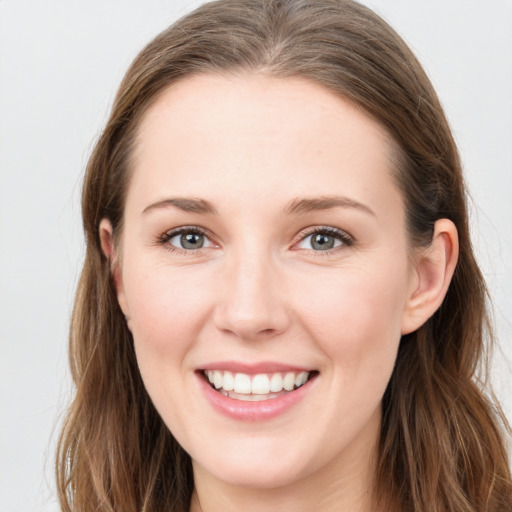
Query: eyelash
[[345, 239]]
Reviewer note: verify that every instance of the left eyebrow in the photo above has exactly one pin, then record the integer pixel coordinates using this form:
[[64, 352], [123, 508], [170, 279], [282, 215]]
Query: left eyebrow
[[306, 205]]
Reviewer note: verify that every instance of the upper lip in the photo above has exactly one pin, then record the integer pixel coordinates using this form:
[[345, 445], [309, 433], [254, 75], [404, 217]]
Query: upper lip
[[254, 368]]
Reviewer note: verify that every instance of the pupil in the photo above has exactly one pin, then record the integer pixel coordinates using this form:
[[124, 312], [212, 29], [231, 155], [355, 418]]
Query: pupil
[[192, 241], [322, 242]]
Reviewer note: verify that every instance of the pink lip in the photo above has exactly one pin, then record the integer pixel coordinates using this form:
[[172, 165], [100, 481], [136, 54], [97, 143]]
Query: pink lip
[[253, 411], [254, 368]]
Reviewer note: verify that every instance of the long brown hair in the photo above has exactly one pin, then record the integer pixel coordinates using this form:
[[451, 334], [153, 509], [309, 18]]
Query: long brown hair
[[441, 445]]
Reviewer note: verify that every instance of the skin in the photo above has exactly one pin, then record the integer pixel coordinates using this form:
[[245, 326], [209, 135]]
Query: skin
[[259, 291]]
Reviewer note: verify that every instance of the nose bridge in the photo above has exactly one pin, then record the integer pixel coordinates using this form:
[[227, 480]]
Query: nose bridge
[[253, 304]]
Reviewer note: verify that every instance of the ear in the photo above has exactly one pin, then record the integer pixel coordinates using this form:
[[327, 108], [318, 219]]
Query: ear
[[434, 267], [109, 250]]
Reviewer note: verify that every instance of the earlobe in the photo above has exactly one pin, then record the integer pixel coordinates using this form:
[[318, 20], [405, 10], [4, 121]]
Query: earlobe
[[434, 270], [109, 250]]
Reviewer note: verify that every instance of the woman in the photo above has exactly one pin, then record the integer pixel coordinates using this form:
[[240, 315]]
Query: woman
[[279, 306]]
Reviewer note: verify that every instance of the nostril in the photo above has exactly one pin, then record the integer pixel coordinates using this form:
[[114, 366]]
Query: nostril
[[266, 332]]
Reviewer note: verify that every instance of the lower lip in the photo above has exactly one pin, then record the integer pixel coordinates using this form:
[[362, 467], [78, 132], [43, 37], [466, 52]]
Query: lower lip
[[254, 411]]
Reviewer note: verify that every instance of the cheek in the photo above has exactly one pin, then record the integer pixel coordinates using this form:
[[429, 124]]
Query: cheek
[[167, 309], [356, 317]]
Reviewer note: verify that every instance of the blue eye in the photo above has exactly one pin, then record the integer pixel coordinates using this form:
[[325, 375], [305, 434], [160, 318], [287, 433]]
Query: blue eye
[[187, 239], [324, 239]]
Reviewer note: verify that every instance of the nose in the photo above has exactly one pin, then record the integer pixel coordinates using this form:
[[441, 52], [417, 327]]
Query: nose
[[253, 303]]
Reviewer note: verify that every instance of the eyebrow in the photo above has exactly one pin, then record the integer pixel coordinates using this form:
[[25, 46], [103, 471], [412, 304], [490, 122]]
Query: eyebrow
[[295, 206], [184, 203], [306, 205]]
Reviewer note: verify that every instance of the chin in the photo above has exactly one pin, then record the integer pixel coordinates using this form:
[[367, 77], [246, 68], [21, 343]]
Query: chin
[[256, 462], [258, 475]]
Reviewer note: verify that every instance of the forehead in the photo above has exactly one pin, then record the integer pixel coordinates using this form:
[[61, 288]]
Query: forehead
[[210, 134]]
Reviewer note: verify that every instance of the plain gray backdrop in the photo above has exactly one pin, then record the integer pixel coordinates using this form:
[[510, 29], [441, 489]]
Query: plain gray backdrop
[[60, 64]]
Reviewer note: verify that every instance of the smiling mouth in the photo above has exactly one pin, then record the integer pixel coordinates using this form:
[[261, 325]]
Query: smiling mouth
[[253, 388]]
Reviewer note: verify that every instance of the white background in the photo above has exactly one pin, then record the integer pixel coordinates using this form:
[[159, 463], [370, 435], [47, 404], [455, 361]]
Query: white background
[[60, 64]]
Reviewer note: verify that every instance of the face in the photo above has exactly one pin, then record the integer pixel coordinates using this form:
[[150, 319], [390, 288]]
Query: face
[[264, 249]]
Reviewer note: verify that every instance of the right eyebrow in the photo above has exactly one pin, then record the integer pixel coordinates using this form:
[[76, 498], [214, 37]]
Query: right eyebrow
[[187, 204]]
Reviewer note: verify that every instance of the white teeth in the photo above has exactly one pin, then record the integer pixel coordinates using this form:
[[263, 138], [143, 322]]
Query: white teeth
[[255, 385], [217, 379], [276, 383], [228, 384], [289, 381], [301, 379], [242, 384], [248, 398], [260, 384]]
